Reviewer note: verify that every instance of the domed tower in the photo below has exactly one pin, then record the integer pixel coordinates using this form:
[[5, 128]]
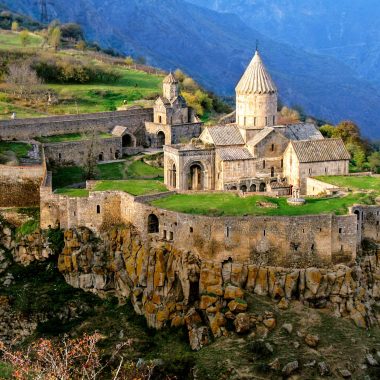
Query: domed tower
[[256, 99], [170, 87]]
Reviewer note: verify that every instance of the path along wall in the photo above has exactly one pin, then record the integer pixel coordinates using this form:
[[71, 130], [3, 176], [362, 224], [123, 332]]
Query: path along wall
[[23, 129], [286, 241]]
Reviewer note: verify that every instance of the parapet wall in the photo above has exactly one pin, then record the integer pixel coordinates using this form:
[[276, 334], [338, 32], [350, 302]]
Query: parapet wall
[[272, 240], [23, 129]]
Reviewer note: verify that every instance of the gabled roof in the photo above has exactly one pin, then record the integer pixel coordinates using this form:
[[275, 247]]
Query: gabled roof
[[118, 131], [260, 136], [300, 131], [163, 100], [320, 150], [170, 79], [223, 135], [234, 154], [256, 79]]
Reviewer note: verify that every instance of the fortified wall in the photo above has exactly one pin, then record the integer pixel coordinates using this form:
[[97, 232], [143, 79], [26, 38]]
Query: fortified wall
[[24, 129], [20, 185], [273, 240]]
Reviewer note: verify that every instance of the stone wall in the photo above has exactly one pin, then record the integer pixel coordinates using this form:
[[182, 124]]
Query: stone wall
[[315, 187], [275, 240], [20, 185], [22, 129], [76, 152]]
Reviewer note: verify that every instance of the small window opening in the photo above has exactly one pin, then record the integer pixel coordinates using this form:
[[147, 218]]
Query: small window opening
[[191, 230], [171, 236], [98, 209]]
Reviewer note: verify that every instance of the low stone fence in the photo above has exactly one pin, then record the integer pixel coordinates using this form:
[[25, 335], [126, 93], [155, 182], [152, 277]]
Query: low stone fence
[[317, 187]]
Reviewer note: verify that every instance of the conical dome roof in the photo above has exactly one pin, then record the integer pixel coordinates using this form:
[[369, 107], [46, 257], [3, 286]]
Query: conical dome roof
[[256, 79], [170, 79]]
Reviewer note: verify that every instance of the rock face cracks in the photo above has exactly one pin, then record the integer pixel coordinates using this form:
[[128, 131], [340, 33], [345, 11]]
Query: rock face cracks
[[173, 287]]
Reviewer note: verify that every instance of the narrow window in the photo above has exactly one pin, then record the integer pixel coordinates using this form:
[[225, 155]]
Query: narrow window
[[272, 147], [228, 231], [325, 170], [153, 224], [254, 121], [341, 247], [165, 234], [274, 120], [266, 121], [265, 233], [377, 223], [171, 235], [59, 156], [160, 119], [340, 230], [98, 209], [282, 164], [191, 230], [312, 247], [310, 171], [263, 164]]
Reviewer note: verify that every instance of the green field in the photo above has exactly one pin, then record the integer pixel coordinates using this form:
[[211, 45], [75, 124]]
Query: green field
[[11, 40], [139, 169], [217, 204], [132, 186], [133, 85], [71, 137], [19, 149], [353, 182]]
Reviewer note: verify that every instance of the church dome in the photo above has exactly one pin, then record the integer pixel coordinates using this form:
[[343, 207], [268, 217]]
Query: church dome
[[170, 79], [256, 79]]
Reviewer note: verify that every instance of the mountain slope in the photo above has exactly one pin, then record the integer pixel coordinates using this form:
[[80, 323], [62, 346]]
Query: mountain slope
[[215, 49], [346, 29]]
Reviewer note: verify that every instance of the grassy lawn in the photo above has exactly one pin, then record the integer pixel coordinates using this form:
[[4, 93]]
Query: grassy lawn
[[11, 40], [73, 192], [68, 175], [5, 371], [19, 149], [139, 169], [231, 204], [353, 182], [133, 186], [71, 137]]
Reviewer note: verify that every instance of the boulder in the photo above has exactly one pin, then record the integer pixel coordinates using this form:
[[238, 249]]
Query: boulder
[[275, 365], [289, 368], [270, 323], [371, 360], [199, 337], [345, 373], [231, 292], [242, 323], [323, 369], [288, 327], [237, 306]]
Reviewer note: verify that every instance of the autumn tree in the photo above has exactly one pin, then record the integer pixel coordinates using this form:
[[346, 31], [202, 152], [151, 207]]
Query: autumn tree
[[129, 61], [55, 38], [374, 161], [25, 38], [288, 116], [327, 130], [14, 26]]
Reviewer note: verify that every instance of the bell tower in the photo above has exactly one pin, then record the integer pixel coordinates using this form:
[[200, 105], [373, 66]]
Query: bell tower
[[256, 99], [170, 87]]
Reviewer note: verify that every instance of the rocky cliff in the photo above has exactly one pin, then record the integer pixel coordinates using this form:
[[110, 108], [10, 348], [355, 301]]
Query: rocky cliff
[[171, 287]]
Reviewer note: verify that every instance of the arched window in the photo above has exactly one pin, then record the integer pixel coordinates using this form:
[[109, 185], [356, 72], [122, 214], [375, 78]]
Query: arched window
[[243, 188], [153, 224], [253, 188], [233, 188], [262, 187], [127, 141], [101, 156]]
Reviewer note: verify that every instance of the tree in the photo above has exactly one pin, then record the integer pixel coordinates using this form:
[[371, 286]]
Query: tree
[[348, 131], [72, 31], [358, 156], [327, 130], [22, 79], [90, 163], [129, 61], [81, 45], [25, 38], [374, 162], [180, 75], [55, 38], [14, 26], [289, 115]]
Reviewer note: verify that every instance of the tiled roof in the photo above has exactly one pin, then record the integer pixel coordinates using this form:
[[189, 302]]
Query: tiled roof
[[234, 154], [225, 135], [260, 136], [300, 131], [256, 79], [320, 150], [170, 79]]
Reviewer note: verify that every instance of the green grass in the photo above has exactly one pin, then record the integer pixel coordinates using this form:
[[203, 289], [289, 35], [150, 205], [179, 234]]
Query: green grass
[[20, 149], [71, 137], [353, 182], [5, 371], [134, 187], [81, 193], [230, 204], [68, 175], [11, 40], [139, 169]]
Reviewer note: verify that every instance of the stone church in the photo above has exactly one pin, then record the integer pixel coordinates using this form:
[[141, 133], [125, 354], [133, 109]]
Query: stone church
[[253, 154], [173, 120]]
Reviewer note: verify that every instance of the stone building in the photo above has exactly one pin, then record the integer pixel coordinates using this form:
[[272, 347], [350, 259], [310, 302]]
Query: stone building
[[249, 154], [173, 121]]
